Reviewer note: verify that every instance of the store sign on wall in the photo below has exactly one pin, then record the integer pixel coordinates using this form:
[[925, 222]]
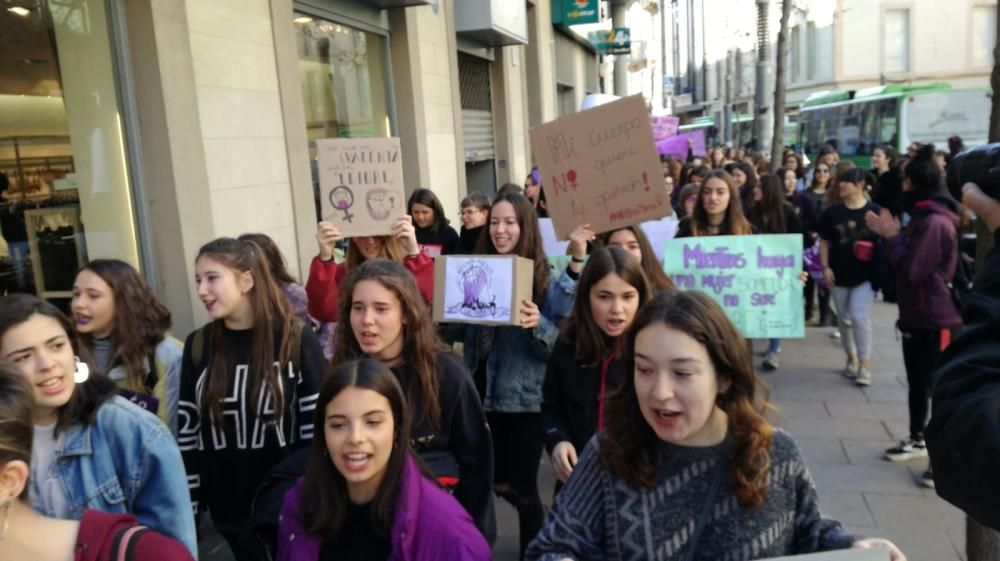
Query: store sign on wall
[[575, 12], [617, 41]]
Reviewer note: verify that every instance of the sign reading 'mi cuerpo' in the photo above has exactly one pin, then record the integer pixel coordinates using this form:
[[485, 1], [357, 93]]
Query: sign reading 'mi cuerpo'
[[754, 278], [600, 167]]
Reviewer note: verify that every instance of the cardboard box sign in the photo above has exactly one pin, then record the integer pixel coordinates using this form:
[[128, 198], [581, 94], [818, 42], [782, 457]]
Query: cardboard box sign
[[600, 167], [361, 184], [839, 555], [482, 289]]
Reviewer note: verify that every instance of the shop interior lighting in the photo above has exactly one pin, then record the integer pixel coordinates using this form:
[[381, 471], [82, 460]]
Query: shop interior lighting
[[20, 11], [302, 19]]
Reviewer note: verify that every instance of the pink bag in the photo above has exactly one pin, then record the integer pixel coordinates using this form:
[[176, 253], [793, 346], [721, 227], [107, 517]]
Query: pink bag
[[864, 251]]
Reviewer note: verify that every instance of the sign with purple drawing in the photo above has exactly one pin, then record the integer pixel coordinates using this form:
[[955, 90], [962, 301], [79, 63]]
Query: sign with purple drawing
[[754, 278], [361, 184], [484, 289]]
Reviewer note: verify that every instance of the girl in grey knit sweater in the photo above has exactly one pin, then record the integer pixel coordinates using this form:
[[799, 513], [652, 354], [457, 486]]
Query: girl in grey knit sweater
[[688, 468]]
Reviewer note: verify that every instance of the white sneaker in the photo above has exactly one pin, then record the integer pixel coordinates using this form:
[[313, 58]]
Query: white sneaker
[[835, 334], [850, 370], [864, 377]]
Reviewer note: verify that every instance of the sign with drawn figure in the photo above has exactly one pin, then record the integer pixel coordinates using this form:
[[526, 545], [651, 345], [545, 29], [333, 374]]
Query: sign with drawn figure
[[361, 184], [484, 289], [600, 167], [851, 554], [754, 278], [664, 126]]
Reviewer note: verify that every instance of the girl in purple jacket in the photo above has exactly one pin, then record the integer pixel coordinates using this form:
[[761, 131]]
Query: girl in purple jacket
[[364, 495], [924, 256]]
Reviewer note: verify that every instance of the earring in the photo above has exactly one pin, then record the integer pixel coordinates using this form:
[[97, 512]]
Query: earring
[[6, 519], [82, 371]]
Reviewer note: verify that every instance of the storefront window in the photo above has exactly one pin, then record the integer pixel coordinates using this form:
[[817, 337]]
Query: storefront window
[[64, 189], [344, 82]]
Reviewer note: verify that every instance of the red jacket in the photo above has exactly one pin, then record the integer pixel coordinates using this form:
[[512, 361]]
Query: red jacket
[[325, 278], [95, 540]]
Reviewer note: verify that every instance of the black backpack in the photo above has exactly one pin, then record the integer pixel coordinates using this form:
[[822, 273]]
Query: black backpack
[[960, 284]]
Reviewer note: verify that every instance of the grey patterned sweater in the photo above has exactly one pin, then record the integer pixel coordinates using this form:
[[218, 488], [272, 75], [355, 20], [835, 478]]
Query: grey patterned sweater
[[598, 516]]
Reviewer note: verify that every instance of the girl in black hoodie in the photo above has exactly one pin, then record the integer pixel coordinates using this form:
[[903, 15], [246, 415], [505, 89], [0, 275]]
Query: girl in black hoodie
[[384, 317], [585, 364], [434, 234]]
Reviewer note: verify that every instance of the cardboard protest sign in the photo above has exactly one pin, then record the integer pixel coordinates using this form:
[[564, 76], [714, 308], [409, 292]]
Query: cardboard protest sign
[[839, 555], [483, 289], [677, 146], [754, 278], [659, 231], [361, 184], [664, 126], [600, 167]]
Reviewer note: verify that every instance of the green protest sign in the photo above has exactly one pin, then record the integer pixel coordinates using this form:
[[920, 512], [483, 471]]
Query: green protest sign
[[754, 278]]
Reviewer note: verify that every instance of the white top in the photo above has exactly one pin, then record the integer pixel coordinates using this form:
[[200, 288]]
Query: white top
[[44, 485]]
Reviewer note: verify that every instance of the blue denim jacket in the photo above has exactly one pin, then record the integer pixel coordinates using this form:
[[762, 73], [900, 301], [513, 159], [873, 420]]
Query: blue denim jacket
[[127, 461], [515, 357]]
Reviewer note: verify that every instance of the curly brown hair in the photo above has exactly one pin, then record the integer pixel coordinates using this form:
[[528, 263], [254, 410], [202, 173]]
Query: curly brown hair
[[629, 447], [421, 344], [140, 321]]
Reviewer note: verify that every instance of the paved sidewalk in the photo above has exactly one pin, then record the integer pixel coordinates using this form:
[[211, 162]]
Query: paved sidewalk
[[843, 431]]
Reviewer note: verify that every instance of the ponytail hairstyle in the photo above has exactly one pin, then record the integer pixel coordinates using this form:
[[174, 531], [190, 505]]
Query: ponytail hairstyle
[[421, 344], [529, 243], [924, 174], [276, 260], [427, 198], [87, 397], [140, 321], [271, 317]]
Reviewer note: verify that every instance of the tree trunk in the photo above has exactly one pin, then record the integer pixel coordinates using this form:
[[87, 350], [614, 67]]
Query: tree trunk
[[982, 543], [778, 138]]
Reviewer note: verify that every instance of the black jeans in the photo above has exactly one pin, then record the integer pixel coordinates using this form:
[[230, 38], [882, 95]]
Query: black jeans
[[921, 350], [812, 290], [518, 441]]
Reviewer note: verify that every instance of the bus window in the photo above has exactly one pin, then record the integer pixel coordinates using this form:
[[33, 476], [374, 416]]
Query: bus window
[[935, 116], [888, 124]]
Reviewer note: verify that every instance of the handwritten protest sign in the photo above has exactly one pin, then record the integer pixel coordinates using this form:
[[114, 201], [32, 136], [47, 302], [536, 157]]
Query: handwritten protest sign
[[361, 184], [483, 289], [839, 555], [677, 146], [600, 167], [754, 278], [664, 126]]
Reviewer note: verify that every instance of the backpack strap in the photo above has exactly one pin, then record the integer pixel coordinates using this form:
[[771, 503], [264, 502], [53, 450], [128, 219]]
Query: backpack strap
[[153, 374], [125, 542]]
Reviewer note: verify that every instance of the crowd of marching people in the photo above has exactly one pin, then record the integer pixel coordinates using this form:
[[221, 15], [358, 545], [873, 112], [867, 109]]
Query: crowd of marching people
[[337, 420]]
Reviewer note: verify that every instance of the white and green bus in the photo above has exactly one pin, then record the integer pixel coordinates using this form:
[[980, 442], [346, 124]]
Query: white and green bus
[[857, 121]]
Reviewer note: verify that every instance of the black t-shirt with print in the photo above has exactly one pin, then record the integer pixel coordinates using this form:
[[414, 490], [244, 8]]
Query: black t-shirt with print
[[842, 227]]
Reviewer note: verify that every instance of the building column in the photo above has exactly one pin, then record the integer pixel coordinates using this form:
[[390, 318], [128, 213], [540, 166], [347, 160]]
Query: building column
[[510, 114], [425, 86]]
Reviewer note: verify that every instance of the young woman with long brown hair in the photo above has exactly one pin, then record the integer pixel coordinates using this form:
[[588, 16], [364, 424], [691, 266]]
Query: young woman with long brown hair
[[325, 274], [688, 467], [248, 384], [124, 329], [718, 211], [586, 363], [389, 322], [364, 495], [510, 360]]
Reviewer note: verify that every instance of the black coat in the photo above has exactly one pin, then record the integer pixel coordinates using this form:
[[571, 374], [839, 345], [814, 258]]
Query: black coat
[[570, 396], [963, 436]]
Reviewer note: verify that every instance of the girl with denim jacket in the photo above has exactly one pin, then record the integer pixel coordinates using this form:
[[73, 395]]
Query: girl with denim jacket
[[509, 361], [28, 534], [385, 318], [92, 449], [248, 384], [122, 328]]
